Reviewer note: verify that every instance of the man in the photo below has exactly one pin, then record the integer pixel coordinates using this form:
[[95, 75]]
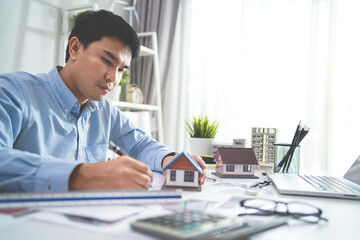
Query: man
[[55, 127]]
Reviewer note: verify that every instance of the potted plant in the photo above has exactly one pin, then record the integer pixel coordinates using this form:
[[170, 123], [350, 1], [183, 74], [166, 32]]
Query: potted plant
[[202, 132], [124, 84], [119, 93]]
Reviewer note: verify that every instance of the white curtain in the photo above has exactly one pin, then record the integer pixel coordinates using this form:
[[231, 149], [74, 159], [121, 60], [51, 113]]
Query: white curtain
[[175, 92], [271, 63]]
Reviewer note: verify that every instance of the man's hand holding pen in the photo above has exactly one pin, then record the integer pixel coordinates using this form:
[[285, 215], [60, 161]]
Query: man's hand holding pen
[[123, 172]]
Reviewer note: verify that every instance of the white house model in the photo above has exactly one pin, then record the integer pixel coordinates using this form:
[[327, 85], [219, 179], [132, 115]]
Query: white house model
[[183, 172], [235, 162]]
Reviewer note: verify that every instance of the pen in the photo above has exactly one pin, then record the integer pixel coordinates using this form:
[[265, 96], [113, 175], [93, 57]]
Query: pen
[[212, 179], [117, 149], [120, 152]]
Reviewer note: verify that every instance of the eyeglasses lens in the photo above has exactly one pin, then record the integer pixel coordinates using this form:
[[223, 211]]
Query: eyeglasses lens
[[300, 208], [260, 204], [304, 212]]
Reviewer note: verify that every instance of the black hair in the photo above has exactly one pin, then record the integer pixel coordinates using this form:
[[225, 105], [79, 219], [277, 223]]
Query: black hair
[[91, 26]]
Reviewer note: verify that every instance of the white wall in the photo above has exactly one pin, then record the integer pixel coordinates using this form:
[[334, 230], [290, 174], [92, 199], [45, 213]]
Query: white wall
[[9, 21], [31, 36]]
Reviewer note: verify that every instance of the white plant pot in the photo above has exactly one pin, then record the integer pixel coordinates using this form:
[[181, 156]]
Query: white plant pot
[[114, 94], [123, 93], [201, 146]]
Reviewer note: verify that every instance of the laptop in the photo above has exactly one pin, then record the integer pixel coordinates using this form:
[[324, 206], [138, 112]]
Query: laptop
[[319, 186]]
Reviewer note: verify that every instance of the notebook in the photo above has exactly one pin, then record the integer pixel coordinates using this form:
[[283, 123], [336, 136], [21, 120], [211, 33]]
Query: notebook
[[320, 186]]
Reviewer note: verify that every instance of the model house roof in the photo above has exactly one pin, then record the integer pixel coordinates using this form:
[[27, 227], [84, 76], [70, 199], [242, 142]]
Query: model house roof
[[236, 156], [187, 156]]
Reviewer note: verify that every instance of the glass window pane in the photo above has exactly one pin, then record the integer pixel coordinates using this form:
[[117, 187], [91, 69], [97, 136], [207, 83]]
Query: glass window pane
[[230, 168], [188, 176], [246, 168], [173, 175]]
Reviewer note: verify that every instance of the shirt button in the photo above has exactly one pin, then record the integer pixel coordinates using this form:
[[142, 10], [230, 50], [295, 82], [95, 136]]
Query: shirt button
[[75, 105], [66, 110]]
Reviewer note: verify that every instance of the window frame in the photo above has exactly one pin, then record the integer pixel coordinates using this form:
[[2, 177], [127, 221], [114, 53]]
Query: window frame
[[189, 176], [246, 168], [172, 175], [230, 167]]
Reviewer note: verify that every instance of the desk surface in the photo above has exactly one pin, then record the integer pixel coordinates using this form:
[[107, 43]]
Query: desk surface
[[343, 215]]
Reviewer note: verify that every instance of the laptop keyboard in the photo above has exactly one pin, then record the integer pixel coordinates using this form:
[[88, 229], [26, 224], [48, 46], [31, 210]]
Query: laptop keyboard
[[332, 184]]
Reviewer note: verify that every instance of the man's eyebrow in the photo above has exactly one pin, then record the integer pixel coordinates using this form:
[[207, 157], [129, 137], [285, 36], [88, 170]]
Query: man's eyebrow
[[112, 56]]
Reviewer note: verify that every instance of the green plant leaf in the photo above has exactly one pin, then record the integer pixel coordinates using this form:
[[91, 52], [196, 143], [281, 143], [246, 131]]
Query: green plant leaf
[[201, 127], [125, 79]]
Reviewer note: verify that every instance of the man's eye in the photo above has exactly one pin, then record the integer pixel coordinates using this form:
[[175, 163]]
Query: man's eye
[[107, 61]]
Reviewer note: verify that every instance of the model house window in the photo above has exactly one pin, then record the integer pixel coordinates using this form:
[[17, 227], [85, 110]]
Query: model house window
[[246, 168], [189, 176], [230, 168], [173, 175]]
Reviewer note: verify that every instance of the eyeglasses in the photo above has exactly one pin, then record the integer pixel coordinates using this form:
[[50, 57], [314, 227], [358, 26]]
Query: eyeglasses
[[298, 210]]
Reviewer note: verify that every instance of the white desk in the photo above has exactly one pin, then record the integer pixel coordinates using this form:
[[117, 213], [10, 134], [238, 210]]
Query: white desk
[[343, 215]]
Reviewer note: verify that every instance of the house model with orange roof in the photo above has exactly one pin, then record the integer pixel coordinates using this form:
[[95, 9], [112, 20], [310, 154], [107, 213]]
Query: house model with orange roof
[[235, 163], [183, 172]]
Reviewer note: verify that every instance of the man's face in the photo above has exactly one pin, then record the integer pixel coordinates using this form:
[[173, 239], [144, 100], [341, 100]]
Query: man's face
[[98, 69]]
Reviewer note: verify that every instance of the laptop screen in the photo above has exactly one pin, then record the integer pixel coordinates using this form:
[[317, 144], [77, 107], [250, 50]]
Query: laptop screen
[[353, 174]]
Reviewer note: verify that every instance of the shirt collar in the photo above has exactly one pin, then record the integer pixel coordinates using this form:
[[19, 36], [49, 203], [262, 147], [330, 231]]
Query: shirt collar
[[64, 96]]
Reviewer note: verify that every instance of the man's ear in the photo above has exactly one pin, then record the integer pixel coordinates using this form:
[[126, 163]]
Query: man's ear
[[74, 47]]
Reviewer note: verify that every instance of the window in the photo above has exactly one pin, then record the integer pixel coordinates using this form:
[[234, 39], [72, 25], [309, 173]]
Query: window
[[173, 175], [246, 168], [189, 176], [330, 81], [230, 168]]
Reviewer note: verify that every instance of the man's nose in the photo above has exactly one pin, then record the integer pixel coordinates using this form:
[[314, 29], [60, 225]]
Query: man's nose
[[112, 77]]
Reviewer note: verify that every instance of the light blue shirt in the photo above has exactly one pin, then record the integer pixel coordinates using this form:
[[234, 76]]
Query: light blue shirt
[[44, 136]]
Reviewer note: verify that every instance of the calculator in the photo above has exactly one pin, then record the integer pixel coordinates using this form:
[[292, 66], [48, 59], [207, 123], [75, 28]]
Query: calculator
[[200, 225]]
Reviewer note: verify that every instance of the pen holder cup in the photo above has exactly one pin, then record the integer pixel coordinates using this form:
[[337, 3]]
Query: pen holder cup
[[280, 151]]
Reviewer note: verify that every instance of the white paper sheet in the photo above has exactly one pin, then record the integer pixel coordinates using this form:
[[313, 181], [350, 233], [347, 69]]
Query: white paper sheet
[[119, 228], [104, 213]]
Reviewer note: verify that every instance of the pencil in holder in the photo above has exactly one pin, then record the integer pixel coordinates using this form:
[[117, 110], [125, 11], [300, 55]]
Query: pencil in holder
[[292, 163]]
